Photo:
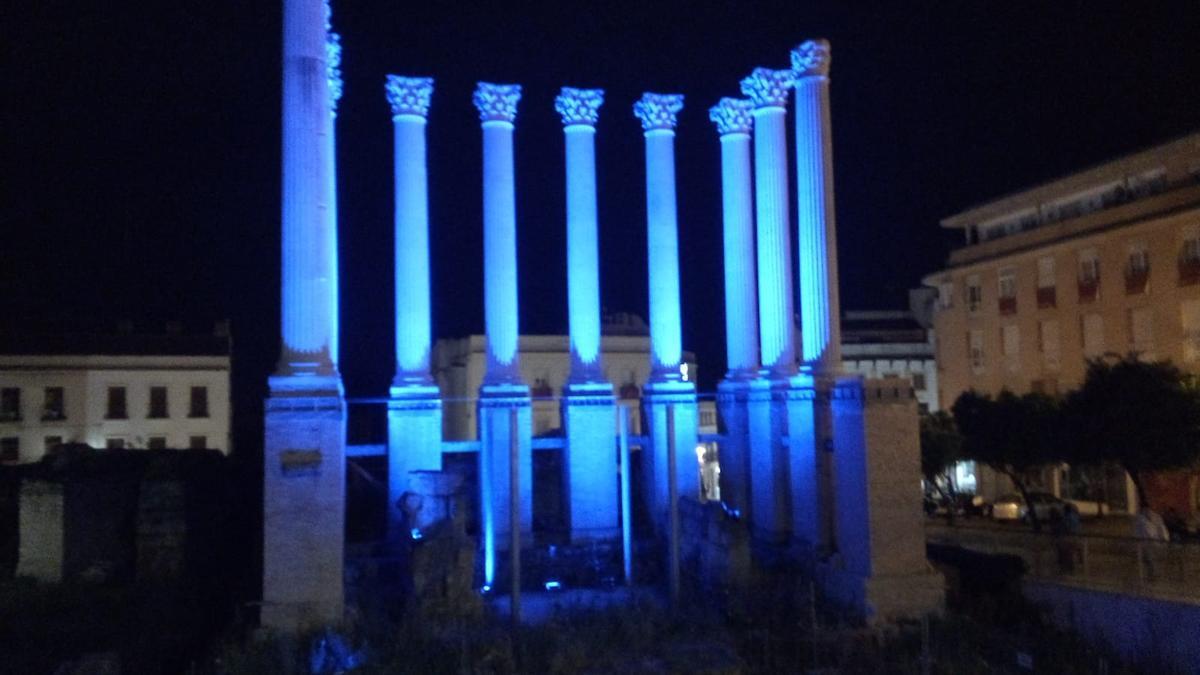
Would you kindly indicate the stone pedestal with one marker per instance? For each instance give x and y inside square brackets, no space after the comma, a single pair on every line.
[304,486]
[496,403]
[732,406]
[805,444]
[879,568]
[589,415]
[658,397]
[414,441]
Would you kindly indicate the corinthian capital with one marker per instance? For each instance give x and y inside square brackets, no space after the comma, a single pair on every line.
[768,88]
[496,102]
[579,106]
[811,58]
[657,111]
[409,95]
[732,116]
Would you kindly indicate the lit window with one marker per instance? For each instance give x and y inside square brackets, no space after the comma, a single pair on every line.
[1008,283]
[946,295]
[1089,267]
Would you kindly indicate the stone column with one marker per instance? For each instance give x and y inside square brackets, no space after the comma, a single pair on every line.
[819,311]
[771,421]
[502,387]
[415,406]
[734,121]
[588,406]
[304,422]
[666,386]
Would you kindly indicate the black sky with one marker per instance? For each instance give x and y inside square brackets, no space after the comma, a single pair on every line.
[141,145]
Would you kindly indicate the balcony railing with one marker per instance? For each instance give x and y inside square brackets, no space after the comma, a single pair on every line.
[1089,290]
[1008,305]
[1137,281]
[1046,297]
[1189,272]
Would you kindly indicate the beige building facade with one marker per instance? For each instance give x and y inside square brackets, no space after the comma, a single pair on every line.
[1104,261]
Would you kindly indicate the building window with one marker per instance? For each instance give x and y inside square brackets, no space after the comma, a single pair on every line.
[974,294]
[52,442]
[1189,259]
[52,404]
[198,442]
[158,403]
[1046,294]
[1137,271]
[1093,335]
[975,350]
[157,443]
[1008,291]
[10,449]
[1190,318]
[1141,330]
[10,404]
[116,404]
[946,295]
[1048,343]
[114,443]
[198,404]
[1010,346]
[918,380]
[1089,276]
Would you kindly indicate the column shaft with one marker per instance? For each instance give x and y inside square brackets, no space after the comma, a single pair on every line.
[819,310]
[583,255]
[663,247]
[776,302]
[741,305]
[411,252]
[500,253]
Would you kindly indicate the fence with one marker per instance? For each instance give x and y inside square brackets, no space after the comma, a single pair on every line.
[1164,569]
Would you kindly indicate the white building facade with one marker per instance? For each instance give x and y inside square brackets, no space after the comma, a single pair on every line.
[113,392]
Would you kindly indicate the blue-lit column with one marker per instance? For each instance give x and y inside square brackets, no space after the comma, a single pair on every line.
[588,405]
[817,226]
[502,388]
[304,421]
[414,405]
[666,387]
[769,470]
[734,121]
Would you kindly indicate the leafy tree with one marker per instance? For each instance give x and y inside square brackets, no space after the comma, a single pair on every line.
[1142,416]
[1011,434]
[941,446]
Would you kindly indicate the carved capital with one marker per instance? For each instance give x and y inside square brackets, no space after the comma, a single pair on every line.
[409,95]
[333,60]
[496,102]
[579,106]
[811,58]
[768,88]
[732,116]
[657,111]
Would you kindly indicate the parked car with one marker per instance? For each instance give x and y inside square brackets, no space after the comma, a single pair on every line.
[1012,507]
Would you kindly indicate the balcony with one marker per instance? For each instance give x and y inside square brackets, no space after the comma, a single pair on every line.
[1047,297]
[1189,271]
[1089,290]
[1008,305]
[1137,281]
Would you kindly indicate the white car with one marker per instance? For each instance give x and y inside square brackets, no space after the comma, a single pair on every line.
[1013,508]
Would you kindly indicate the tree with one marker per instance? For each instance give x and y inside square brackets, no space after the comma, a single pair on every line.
[1142,416]
[941,446]
[1011,434]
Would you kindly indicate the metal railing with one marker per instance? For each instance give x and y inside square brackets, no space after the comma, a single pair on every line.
[1169,570]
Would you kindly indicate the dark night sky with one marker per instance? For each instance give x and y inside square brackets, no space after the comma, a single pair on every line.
[141,145]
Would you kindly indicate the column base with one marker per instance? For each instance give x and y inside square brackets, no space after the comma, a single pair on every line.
[496,403]
[304,477]
[658,397]
[592,485]
[414,443]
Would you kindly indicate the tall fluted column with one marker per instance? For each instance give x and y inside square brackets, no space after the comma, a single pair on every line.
[304,422]
[497,105]
[735,392]
[768,91]
[503,389]
[819,311]
[311,82]
[588,412]
[734,122]
[414,406]
[771,421]
[580,109]
[666,389]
